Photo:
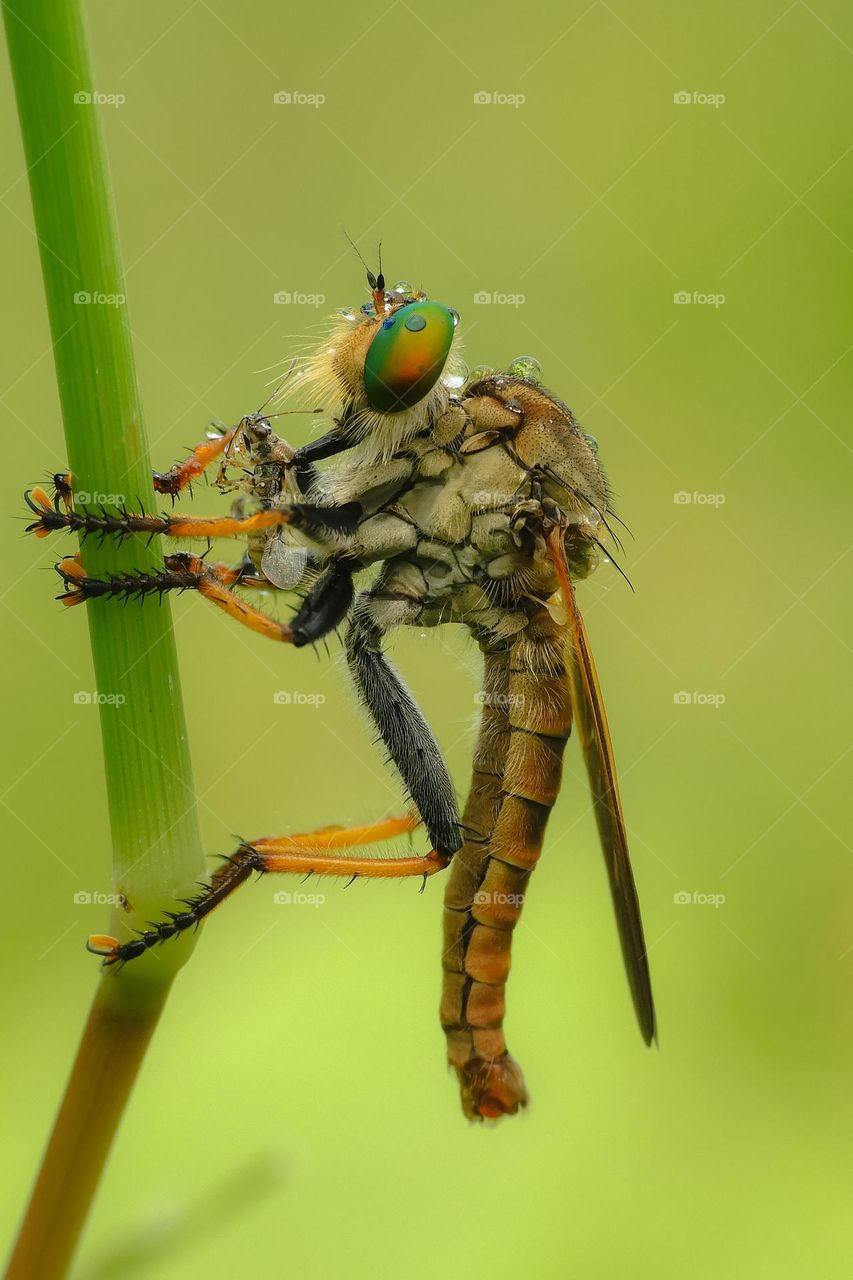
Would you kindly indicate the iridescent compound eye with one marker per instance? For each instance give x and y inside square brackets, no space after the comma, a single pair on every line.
[405,359]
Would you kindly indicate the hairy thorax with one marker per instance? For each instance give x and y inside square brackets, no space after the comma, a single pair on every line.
[453,513]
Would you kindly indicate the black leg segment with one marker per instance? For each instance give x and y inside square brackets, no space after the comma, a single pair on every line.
[406,734]
[326,604]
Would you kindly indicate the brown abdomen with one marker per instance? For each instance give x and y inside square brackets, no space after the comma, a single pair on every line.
[526,721]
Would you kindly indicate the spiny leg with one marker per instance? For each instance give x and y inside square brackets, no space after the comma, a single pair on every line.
[317,521]
[314,853]
[181,475]
[180,572]
[403,729]
[171,482]
[323,608]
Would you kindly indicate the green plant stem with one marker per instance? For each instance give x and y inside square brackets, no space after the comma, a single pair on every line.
[157,854]
[111,1050]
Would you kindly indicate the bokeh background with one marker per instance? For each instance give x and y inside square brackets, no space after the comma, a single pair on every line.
[294,1116]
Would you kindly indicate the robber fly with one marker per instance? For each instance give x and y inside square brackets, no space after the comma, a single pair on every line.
[482,502]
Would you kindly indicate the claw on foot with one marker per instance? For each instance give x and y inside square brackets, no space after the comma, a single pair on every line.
[71,572]
[102,944]
[39,502]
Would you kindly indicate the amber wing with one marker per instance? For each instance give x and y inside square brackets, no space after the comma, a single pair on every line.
[591,722]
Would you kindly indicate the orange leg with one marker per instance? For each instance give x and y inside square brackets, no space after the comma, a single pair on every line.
[311,854]
[181,572]
[333,523]
[171,482]
[182,474]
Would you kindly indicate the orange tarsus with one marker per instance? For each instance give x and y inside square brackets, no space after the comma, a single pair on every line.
[102,944]
[214,589]
[279,855]
[225,526]
[71,567]
[337,837]
[40,497]
[183,473]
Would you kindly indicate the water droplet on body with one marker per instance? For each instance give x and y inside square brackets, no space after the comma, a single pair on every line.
[526,367]
[457,377]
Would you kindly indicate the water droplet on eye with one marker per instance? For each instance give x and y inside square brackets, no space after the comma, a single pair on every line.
[349,313]
[457,377]
[481,371]
[454,316]
[415,323]
[526,367]
[403,286]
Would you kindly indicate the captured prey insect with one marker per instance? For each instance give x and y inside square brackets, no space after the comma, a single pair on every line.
[479,500]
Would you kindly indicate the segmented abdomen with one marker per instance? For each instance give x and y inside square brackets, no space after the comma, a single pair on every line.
[526,721]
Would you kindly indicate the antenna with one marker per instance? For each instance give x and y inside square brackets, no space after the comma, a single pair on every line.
[377,283]
[371,278]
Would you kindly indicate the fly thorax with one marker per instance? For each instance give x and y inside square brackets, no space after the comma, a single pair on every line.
[268,481]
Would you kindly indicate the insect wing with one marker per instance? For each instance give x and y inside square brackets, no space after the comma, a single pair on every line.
[283,563]
[594,734]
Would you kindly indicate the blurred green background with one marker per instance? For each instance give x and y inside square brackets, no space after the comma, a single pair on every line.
[300,1053]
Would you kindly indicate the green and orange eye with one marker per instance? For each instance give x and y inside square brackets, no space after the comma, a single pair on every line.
[405,359]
